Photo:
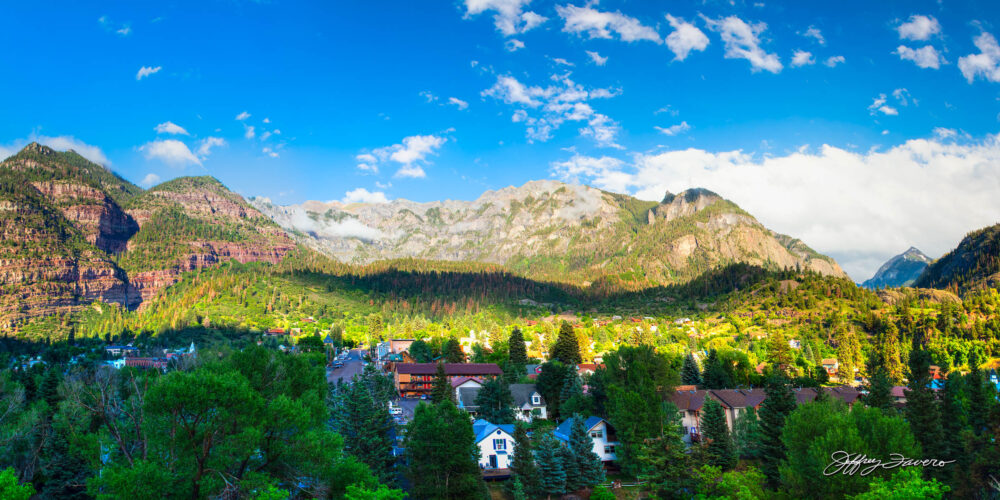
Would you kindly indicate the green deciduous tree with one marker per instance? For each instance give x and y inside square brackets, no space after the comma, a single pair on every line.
[903,485]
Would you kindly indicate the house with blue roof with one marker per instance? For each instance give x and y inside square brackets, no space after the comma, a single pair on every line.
[495,442]
[601,433]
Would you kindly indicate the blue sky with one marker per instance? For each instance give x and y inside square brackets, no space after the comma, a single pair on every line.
[853,126]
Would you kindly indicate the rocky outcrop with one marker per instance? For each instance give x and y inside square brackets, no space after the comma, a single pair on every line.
[102,222]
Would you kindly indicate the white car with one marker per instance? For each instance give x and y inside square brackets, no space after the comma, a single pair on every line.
[395,410]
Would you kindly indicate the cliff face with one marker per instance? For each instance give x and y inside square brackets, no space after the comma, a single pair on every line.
[74,233]
[555,231]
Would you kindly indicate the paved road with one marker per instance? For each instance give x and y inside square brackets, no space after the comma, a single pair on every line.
[352,365]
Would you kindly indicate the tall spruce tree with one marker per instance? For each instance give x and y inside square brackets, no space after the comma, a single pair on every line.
[522,463]
[747,435]
[689,371]
[588,470]
[572,399]
[365,424]
[921,405]
[715,375]
[718,443]
[442,454]
[665,465]
[567,347]
[495,402]
[453,351]
[774,410]
[517,352]
[879,392]
[441,389]
[551,471]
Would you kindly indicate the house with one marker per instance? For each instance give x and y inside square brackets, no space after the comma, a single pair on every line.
[121,350]
[466,390]
[117,364]
[137,362]
[528,402]
[601,433]
[795,344]
[416,379]
[496,444]
[831,365]
[275,332]
[586,369]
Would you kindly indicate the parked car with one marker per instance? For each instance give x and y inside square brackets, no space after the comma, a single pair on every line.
[395,410]
[338,364]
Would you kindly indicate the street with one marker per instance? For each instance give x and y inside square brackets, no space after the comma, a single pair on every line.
[352,365]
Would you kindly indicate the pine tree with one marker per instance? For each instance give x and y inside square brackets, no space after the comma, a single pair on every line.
[517,352]
[779,354]
[879,392]
[441,453]
[551,473]
[572,399]
[689,372]
[522,464]
[979,397]
[441,388]
[922,406]
[567,347]
[588,470]
[453,351]
[719,444]
[495,402]
[747,435]
[952,415]
[715,375]
[665,465]
[570,468]
[779,404]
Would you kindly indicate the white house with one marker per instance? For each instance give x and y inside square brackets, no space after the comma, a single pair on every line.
[466,390]
[528,402]
[601,433]
[495,442]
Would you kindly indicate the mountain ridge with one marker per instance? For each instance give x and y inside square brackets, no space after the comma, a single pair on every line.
[901,270]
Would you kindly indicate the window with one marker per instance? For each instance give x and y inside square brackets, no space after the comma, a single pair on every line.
[499,444]
[598,434]
[609,449]
[536,399]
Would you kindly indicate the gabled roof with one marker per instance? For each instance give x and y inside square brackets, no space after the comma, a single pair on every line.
[563,430]
[467,397]
[461,380]
[484,429]
[522,395]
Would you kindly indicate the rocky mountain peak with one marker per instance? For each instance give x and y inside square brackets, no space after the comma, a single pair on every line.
[901,270]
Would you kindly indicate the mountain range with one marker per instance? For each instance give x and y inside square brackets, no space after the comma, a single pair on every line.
[901,270]
[555,231]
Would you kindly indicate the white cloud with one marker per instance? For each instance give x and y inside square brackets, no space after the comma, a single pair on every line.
[597,24]
[596,58]
[146,71]
[242,116]
[986,63]
[860,208]
[170,151]
[205,145]
[562,62]
[556,104]
[362,195]
[349,227]
[802,58]
[903,96]
[672,130]
[685,38]
[124,30]
[834,60]
[266,120]
[879,105]
[460,104]
[945,133]
[513,45]
[269,152]
[170,128]
[109,26]
[743,42]
[249,131]
[265,135]
[428,95]
[814,33]
[149,180]
[919,28]
[68,142]
[925,57]
[510,18]
[411,154]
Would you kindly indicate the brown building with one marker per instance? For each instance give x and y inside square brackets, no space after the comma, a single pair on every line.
[416,379]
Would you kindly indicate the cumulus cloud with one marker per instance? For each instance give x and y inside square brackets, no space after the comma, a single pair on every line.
[673,130]
[510,18]
[860,208]
[242,116]
[945,133]
[814,33]
[802,58]
[596,58]
[513,45]
[834,60]
[743,42]
[67,143]
[146,71]
[458,103]
[919,28]
[924,57]
[562,62]
[149,180]
[170,128]
[362,195]
[879,105]
[685,38]
[598,24]
[170,151]
[249,131]
[410,155]
[555,104]
[205,145]
[986,63]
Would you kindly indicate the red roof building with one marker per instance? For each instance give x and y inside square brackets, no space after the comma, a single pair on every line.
[415,379]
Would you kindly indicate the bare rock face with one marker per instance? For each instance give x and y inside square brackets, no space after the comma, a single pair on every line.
[553,230]
[103,223]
